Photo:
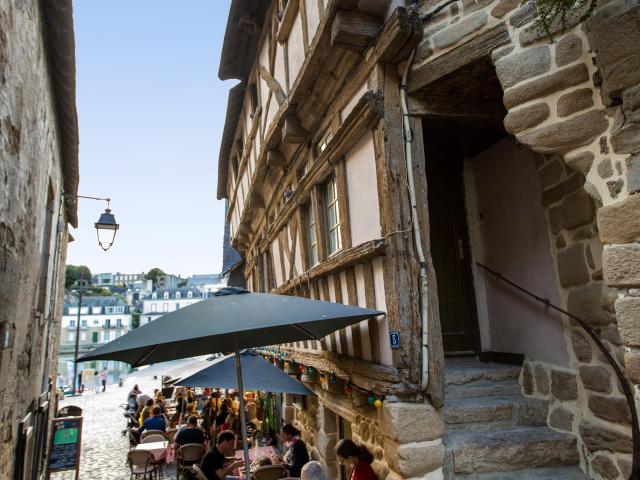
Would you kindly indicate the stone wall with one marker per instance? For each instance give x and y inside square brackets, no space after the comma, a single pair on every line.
[403,437]
[32,182]
[576,100]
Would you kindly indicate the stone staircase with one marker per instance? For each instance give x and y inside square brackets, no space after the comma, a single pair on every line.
[493,432]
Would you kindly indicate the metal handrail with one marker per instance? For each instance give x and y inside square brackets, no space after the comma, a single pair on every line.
[635,427]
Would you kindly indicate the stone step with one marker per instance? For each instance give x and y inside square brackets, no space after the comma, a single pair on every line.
[508,449]
[461,373]
[482,389]
[553,473]
[515,410]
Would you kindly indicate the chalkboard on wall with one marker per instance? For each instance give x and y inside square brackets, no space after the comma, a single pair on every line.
[66,439]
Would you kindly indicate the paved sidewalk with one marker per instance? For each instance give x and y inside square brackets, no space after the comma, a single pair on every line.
[104,448]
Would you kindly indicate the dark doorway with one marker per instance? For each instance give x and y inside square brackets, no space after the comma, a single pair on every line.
[462,116]
[450,246]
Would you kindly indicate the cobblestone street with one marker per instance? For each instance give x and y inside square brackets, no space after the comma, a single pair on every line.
[104,448]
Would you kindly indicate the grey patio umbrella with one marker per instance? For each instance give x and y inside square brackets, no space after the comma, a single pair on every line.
[257,374]
[231,320]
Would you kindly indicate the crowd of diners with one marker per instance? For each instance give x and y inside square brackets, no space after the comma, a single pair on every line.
[211,418]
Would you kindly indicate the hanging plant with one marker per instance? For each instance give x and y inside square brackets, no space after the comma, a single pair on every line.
[551,14]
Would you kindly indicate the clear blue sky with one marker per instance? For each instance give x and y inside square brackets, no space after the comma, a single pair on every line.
[151,110]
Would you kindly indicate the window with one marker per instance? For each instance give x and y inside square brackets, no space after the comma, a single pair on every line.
[118,322]
[165,307]
[154,307]
[154,295]
[166,295]
[325,141]
[71,337]
[118,333]
[177,306]
[178,294]
[312,240]
[72,323]
[83,323]
[105,336]
[334,240]
[107,323]
[189,294]
[83,336]
[96,322]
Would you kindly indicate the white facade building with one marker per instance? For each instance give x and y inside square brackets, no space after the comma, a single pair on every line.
[165,301]
[102,319]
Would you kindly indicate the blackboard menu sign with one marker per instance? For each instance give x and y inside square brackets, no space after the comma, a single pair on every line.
[66,438]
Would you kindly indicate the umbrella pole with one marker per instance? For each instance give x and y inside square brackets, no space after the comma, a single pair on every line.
[243,420]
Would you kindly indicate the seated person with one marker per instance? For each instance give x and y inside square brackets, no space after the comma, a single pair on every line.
[313,471]
[189,434]
[297,454]
[215,464]
[155,422]
[146,411]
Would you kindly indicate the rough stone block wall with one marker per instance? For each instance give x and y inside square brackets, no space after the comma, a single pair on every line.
[576,100]
[404,438]
[29,170]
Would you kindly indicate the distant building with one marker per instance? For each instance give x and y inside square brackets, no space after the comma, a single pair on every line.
[164,301]
[106,280]
[207,283]
[169,281]
[102,319]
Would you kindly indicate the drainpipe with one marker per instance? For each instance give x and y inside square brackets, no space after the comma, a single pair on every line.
[423,283]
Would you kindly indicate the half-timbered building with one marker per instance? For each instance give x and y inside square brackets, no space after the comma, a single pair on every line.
[441,161]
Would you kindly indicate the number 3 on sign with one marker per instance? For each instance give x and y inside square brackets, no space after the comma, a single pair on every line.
[394,339]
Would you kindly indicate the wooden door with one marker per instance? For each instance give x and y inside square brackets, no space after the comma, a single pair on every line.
[450,246]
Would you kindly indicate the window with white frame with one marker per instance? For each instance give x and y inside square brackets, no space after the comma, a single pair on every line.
[189,294]
[105,336]
[177,306]
[118,322]
[334,239]
[312,240]
[83,336]
[96,322]
[165,307]
[72,323]
[83,323]
[166,295]
[154,307]
[178,295]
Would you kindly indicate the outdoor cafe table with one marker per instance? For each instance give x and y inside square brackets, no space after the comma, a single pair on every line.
[268,452]
[157,449]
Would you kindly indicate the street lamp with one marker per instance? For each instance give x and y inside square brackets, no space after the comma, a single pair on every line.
[106,226]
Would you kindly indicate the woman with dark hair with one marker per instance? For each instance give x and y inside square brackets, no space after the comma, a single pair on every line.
[222,415]
[358,458]
[297,454]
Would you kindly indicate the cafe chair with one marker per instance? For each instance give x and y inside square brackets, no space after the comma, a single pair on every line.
[269,472]
[70,411]
[133,440]
[188,454]
[198,471]
[171,433]
[142,464]
[153,438]
[146,433]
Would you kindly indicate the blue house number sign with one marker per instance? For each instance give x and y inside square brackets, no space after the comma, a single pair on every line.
[394,339]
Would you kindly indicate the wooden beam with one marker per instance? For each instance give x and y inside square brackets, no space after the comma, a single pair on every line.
[470,51]
[273,84]
[370,300]
[305,24]
[292,131]
[402,32]
[466,110]
[354,30]
[381,379]
[339,261]
[435,385]
[343,203]
[288,18]
[276,159]
[352,299]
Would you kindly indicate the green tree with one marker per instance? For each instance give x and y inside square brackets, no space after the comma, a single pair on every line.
[74,272]
[135,319]
[153,275]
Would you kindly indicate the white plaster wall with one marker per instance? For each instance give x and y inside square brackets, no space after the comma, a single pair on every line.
[345,300]
[364,213]
[383,326]
[313,18]
[296,49]
[275,254]
[279,71]
[344,113]
[509,234]
[362,302]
